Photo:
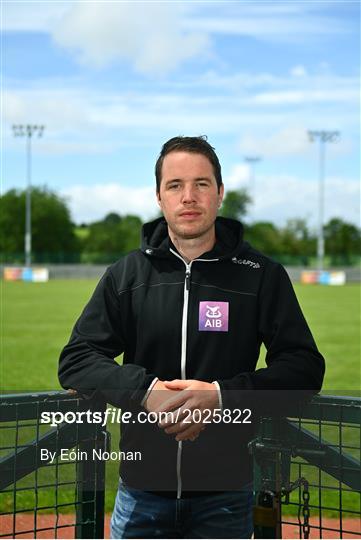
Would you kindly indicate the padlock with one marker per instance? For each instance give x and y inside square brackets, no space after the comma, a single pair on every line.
[264,516]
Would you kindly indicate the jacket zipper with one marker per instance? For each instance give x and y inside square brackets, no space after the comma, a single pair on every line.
[187,286]
[187,282]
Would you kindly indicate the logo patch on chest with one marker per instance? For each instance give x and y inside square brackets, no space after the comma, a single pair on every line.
[213,316]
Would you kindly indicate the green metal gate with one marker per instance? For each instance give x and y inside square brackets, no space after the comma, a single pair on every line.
[307,467]
[56,493]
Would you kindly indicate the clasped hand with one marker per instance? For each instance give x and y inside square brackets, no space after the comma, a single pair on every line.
[181,398]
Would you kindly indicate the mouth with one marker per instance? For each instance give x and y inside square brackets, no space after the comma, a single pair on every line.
[191,214]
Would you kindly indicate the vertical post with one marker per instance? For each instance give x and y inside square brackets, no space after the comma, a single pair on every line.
[28,200]
[267,516]
[27,131]
[324,137]
[252,182]
[320,236]
[91,487]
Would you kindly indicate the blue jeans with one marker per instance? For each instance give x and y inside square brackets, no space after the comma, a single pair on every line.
[140,514]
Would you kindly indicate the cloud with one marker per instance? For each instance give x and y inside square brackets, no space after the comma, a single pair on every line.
[298,71]
[277,198]
[91,203]
[308,95]
[288,141]
[238,177]
[75,148]
[282,197]
[91,115]
[62,109]
[157,37]
[265,22]
[208,103]
[148,35]
[320,78]
[20,16]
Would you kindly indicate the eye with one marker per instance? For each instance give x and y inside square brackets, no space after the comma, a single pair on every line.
[202,184]
[173,186]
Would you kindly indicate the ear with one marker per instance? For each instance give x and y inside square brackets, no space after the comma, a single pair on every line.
[220,195]
[157,194]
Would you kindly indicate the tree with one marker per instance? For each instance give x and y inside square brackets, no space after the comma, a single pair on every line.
[265,237]
[53,237]
[342,241]
[235,204]
[130,230]
[112,219]
[111,238]
[297,240]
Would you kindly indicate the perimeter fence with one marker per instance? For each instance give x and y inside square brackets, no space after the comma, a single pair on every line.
[34,480]
[306,468]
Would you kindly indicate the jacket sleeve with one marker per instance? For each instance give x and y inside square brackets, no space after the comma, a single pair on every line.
[293,360]
[87,362]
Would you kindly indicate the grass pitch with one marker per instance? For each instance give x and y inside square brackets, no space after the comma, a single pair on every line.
[37,319]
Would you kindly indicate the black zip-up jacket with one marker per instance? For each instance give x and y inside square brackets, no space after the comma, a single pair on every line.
[163,315]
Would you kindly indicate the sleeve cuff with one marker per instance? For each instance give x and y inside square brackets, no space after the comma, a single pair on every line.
[150,388]
[219,394]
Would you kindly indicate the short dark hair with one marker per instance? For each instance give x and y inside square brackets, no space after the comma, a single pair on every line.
[193,145]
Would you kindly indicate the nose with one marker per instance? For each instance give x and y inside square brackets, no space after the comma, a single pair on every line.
[188,194]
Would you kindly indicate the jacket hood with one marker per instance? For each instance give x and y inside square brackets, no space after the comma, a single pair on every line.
[229,238]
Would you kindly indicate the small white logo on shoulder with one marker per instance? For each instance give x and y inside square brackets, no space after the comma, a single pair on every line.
[246,262]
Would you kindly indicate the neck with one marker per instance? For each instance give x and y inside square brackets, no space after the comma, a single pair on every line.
[192,248]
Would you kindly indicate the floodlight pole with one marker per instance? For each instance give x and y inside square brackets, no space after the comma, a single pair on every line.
[28,131]
[323,137]
[251,160]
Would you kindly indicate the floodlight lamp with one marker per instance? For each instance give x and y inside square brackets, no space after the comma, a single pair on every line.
[313,134]
[18,130]
[333,136]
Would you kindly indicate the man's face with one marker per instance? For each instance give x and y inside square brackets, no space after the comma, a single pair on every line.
[188,194]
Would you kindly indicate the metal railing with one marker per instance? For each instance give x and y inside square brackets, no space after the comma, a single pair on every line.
[307,470]
[40,492]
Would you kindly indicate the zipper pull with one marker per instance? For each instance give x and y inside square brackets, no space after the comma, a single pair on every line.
[188,280]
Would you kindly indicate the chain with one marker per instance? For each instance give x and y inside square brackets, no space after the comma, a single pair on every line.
[305,509]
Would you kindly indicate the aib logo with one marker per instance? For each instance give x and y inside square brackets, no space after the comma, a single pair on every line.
[213,316]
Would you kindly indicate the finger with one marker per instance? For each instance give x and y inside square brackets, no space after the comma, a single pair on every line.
[185,431]
[176,421]
[173,429]
[176,384]
[189,433]
[174,402]
[172,417]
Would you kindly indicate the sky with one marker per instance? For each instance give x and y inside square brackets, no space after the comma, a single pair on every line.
[112,81]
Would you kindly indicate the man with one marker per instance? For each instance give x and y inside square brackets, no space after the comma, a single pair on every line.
[190,310]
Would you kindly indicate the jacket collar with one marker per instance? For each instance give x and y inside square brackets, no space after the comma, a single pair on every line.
[229,239]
